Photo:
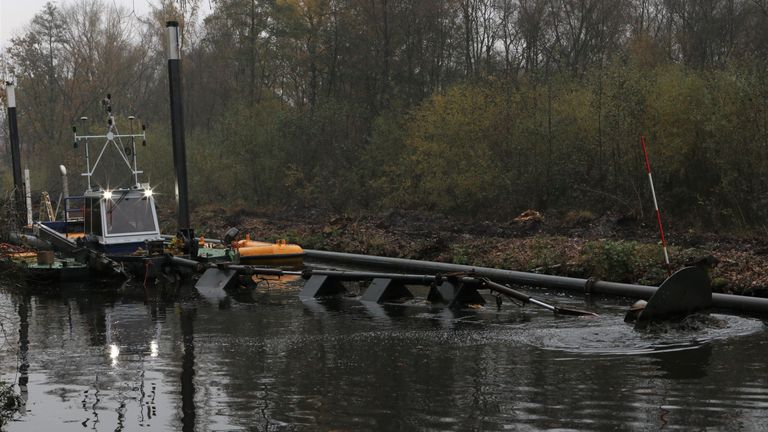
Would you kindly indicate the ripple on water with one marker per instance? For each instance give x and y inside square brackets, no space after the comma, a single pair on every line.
[612,336]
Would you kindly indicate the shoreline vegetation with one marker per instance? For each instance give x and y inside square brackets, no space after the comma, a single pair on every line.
[577,244]
[479,109]
[474,108]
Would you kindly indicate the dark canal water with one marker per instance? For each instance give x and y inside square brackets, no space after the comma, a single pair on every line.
[272,362]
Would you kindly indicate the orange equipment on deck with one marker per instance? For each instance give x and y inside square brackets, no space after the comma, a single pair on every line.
[251,250]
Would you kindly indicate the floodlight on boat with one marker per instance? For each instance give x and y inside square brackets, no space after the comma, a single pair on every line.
[148,193]
[107,194]
[114,352]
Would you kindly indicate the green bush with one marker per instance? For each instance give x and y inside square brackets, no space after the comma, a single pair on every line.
[621,261]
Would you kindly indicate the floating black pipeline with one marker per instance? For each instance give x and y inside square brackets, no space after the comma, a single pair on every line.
[736,303]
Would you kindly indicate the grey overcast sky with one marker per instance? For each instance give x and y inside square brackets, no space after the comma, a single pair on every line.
[16,14]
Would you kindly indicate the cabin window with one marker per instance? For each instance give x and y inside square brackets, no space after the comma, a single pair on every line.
[92,216]
[129,215]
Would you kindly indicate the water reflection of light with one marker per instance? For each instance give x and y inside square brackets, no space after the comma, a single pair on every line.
[153,348]
[114,351]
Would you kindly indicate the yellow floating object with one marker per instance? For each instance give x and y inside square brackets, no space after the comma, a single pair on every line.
[251,250]
[23,255]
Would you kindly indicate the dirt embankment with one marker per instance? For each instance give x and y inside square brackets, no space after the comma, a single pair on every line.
[579,244]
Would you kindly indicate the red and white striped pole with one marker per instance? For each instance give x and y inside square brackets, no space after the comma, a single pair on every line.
[656,205]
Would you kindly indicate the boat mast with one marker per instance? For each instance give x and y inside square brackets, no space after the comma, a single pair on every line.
[112,137]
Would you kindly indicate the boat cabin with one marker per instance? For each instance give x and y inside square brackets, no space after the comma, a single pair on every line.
[118,221]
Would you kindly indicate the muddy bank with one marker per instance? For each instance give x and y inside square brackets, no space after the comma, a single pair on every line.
[579,244]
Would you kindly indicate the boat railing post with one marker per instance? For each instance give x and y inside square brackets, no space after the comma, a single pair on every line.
[28,196]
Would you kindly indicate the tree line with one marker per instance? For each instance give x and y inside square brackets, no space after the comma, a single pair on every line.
[479,108]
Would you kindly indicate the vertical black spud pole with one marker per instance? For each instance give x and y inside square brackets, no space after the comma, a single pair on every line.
[13,129]
[177,132]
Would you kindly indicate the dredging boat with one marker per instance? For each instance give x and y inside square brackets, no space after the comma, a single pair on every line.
[120,225]
[109,223]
